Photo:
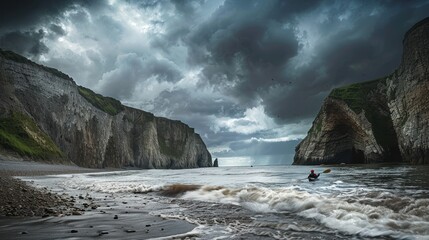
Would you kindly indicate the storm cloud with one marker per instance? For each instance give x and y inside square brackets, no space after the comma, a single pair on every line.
[249,76]
[291,54]
[28,43]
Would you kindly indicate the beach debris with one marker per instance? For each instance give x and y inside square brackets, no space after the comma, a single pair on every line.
[73,231]
[115,217]
[130,231]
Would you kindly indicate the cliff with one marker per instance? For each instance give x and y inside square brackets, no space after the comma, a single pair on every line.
[384,120]
[45,116]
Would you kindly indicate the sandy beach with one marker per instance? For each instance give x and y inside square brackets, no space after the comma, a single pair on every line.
[27,212]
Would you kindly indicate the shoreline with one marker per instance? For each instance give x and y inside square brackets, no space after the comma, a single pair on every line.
[12,166]
[30,212]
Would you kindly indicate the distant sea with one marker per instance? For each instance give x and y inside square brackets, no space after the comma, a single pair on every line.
[272,202]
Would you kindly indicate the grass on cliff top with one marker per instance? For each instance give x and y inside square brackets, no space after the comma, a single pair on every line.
[356,95]
[20,59]
[105,104]
[20,134]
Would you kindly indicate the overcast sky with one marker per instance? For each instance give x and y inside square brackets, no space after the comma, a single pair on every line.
[249,76]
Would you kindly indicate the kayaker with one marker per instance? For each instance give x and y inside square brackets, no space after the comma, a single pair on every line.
[313,175]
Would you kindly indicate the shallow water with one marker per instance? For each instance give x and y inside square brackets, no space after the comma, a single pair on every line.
[350,202]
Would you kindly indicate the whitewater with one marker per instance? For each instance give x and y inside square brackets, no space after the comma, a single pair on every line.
[270,202]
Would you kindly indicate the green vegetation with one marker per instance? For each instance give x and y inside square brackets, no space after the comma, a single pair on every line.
[106,104]
[356,95]
[20,59]
[360,96]
[20,133]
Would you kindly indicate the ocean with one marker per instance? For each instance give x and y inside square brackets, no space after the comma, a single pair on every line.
[270,202]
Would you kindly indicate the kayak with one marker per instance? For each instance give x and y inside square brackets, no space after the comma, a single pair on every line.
[312,179]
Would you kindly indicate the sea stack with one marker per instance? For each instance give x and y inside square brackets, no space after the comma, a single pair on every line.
[384,120]
[215,163]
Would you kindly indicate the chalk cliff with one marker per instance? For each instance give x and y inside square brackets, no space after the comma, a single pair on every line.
[45,115]
[385,120]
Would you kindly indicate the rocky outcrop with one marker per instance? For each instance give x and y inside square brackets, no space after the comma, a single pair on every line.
[385,120]
[215,163]
[88,129]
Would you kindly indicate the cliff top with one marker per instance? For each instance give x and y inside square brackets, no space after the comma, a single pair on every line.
[415,26]
[355,95]
[20,59]
[105,104]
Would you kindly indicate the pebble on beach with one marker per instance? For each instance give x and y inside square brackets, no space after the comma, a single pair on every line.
[19,199]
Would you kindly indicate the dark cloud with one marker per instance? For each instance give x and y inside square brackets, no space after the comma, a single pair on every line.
[245,44]
[21,14]
[366,46]
[19,19]
[251,50]
[131,70]
[25,43]
[178,102]
[17,14]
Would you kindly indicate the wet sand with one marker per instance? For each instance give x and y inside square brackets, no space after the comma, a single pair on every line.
[27,212]
[135,225]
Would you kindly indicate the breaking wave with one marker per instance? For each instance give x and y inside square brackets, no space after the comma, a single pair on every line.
[371,215]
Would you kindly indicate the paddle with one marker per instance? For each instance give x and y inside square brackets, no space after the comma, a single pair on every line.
[328,170]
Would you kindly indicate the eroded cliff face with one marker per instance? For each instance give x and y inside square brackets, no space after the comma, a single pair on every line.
[87,135]
[385,120]
[408,91]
